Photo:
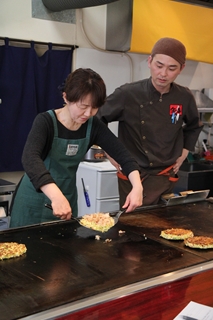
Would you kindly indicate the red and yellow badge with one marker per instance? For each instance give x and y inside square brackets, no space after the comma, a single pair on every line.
[175,111]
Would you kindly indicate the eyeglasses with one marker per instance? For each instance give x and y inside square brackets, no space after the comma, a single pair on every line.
[85,106]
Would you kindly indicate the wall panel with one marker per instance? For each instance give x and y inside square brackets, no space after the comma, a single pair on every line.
[190,24]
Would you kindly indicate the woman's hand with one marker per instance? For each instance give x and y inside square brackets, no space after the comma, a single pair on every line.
[60,204]
[61,209]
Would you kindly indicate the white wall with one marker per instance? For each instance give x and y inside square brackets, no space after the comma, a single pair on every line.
[16,22]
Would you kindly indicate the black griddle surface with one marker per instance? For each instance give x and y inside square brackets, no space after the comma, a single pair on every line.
[197,217]
[64,262]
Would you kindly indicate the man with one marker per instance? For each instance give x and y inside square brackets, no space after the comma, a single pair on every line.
[158,121]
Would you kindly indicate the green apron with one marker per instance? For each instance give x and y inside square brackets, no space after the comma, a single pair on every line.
[62,162]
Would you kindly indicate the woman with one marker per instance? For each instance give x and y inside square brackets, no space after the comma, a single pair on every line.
[57,143]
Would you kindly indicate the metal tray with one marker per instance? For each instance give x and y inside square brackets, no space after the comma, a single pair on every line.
[195,196]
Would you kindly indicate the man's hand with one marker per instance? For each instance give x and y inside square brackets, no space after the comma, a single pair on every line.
[180,160]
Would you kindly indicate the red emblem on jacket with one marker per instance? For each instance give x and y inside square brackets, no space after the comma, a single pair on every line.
[175,108]
[175,111]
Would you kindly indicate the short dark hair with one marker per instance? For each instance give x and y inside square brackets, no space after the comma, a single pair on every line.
[82,82]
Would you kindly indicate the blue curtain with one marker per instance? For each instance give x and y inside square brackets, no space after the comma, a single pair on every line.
[28,86]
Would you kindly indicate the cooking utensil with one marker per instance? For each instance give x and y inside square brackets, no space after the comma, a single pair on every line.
[95,154]
[86,195]
[194,196]
[48,206]
[206,151]
[114,215]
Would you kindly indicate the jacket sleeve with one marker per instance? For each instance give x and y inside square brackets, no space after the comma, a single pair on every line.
[36,148]
[103,137]
[192,125]
[113,108]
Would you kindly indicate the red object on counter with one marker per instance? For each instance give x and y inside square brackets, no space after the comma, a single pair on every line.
[209,157]
[208,154]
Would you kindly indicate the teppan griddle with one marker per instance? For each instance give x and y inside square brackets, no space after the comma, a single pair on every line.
[65,264]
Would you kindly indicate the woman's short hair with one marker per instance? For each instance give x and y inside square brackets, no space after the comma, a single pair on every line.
[82,82]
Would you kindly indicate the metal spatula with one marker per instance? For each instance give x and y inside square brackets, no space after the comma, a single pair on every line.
[48,206]
[114,215]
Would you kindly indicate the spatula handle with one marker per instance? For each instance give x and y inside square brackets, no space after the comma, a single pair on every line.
[48,205]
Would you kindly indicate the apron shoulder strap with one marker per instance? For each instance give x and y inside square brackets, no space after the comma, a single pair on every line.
[52,114]
[89,127]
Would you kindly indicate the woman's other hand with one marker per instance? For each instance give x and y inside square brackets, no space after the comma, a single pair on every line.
[135,198]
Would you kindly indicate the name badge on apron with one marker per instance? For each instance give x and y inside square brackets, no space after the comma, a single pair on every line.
[72,149]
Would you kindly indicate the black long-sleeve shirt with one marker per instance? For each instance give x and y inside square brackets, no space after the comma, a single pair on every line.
[40,139]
